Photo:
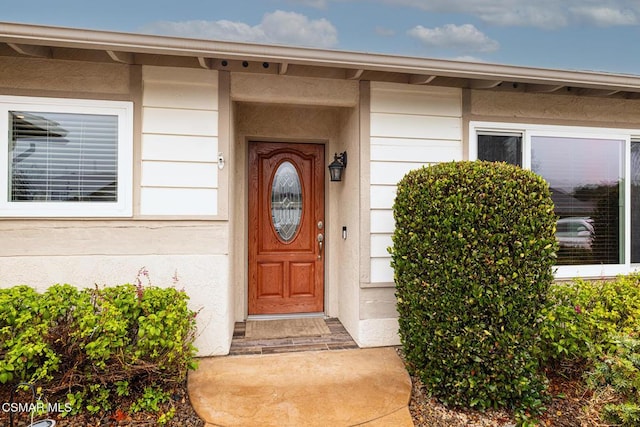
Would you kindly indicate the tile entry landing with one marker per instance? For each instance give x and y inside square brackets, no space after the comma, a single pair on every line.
[337,339]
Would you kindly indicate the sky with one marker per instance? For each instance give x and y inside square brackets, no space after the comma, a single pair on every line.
[593,35]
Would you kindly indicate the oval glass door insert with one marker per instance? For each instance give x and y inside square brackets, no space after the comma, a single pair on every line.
[286,201]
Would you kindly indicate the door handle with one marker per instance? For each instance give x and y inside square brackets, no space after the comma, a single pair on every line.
[320,244]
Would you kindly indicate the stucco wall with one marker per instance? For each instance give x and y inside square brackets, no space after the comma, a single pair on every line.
[557,109]
[85,252]
[283,123]
[47,77]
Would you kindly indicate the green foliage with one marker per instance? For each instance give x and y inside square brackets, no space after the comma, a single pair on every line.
[473,251]
[584,319]
[151,397]
[597,324]
[96,343]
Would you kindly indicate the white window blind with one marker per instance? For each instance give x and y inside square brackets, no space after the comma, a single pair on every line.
[63,157]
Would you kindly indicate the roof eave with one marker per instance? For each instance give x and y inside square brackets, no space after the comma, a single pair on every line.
[162,45]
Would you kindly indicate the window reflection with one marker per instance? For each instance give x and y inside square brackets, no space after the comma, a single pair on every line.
[585,176]
[500,148]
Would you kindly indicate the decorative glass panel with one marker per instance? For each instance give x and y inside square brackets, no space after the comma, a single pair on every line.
[286,201]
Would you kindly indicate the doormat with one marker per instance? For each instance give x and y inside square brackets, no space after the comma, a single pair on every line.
[285,328]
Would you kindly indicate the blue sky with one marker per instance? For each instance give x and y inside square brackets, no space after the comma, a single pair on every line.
[600,35]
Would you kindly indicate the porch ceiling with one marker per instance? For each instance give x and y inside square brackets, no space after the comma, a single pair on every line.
[44,42]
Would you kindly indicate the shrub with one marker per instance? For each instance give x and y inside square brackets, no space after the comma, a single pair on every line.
[595,325]
[583,319]
[93,344]
[472,252]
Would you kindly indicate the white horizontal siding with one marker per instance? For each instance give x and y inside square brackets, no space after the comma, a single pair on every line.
[428,150]
[411,127]
[382,221]
[179,175]
[183,148]
[379,245]
[179,201]
[175,121]
[381,271]
[415,126]
[425,101]
[382,196]
[176,174]
[389,173]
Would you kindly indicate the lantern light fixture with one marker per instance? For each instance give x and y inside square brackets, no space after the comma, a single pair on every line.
[338,165]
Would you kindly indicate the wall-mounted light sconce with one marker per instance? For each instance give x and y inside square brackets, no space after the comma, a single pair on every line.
[338,165]
[220,161]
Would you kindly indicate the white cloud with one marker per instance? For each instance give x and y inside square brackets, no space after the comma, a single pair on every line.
[467,58]
[466,38]
[318,4]
[278,27]
[548,14]
[605,16]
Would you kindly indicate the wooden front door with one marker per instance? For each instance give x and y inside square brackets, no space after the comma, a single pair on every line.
[286,228]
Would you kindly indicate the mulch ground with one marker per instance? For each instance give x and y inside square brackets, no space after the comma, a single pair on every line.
[571,405]
[185,416]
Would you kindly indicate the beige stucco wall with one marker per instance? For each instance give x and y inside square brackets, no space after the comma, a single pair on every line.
[281,123]
[553,109]
[47,77]
[85,252]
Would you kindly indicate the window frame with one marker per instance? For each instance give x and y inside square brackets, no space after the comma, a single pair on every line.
[123,207]
[529,131]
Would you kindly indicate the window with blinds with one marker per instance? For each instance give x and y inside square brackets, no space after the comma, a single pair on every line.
[63,157]
[587,178]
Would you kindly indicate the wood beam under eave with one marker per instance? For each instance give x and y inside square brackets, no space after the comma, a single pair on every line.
[484,84]
[206,63]
[121,57]
[283,68]
[29,50]
[353,74]
[536,88]
[416,79]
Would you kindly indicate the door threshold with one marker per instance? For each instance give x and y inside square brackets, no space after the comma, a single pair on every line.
[285,316]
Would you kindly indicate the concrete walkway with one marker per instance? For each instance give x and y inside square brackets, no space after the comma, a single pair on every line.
[368,387]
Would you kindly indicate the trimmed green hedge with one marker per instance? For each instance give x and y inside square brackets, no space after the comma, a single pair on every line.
[473,251]
[92,344]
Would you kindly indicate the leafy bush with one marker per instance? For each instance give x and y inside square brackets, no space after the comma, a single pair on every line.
[473,251]
[596,325]
[583,319]
[93,344]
